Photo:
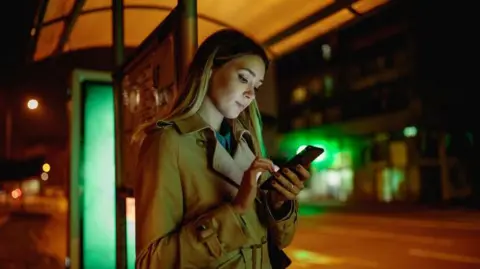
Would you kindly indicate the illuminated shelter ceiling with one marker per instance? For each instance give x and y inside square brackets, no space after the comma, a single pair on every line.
[69,25]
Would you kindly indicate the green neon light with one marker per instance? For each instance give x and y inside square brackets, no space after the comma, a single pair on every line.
[340,150]
[410,131]
[99,244]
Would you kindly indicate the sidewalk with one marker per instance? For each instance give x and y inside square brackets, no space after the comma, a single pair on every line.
[392,210]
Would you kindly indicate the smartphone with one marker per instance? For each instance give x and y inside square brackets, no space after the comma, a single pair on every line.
[304,158]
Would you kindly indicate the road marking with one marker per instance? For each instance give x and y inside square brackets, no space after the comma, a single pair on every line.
[443,256]
[384,235]
[308,259]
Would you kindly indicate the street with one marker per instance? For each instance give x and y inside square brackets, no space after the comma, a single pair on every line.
[32,240]
[437,240]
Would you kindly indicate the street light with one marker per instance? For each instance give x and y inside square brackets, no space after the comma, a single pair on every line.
[32,104]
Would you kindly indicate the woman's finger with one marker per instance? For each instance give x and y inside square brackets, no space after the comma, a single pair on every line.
[283,191]
[287,184]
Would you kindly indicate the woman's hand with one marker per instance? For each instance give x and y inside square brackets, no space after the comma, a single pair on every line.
[248,188]
[287,185]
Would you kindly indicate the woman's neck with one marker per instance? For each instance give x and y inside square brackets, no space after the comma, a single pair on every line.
[210,114]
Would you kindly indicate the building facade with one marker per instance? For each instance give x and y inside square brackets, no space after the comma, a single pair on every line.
[372,95]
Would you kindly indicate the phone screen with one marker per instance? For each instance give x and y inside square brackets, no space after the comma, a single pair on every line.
[304,158]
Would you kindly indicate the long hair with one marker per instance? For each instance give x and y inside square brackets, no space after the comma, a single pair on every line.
[218,49]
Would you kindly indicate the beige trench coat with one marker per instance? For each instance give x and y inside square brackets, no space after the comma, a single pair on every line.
[184,219]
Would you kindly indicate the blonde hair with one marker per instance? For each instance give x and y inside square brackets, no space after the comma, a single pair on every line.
[191,98]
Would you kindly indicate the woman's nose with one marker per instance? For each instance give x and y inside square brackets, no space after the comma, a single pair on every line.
[250,93]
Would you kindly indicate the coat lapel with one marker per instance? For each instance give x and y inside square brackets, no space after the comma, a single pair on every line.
[231,169]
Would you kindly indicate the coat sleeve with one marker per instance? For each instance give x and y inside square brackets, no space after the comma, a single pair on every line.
[282,226]
[164,239]
[282,223]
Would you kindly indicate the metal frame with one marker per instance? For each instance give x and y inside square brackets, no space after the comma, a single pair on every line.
[315,17]
[38,24]
[182,21]
[69,23]
[118,37]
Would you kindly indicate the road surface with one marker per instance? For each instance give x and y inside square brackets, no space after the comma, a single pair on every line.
[437,240]
[30,241]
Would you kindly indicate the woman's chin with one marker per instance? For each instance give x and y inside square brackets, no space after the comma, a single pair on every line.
[232,115]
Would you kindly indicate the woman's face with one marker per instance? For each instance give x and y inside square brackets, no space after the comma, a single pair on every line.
[234,84]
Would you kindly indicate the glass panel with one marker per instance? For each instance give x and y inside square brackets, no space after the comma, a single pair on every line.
[57,9]
[206,28]
[91,30]
[139,23]
[93,4]
[317,29]
[47,40]
[364,6]
[162,3]
[260,19]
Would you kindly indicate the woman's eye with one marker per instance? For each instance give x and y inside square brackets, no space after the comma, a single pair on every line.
[242,78]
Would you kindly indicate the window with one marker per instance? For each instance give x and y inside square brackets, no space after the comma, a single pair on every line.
[316,118]
[316,86]
[333,114]
[299,122]
[328,85]
[299,95]
[326,52]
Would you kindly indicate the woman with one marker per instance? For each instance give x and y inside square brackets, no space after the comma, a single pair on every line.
[197,201]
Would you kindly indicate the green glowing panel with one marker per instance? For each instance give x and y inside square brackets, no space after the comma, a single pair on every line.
[410,131]
[99,245]
[340,150]
[308,210]
[130,202]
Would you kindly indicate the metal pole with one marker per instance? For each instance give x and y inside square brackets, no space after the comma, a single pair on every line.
[444,172]
[118,32]
[119,52]
[8,133]
[187,35]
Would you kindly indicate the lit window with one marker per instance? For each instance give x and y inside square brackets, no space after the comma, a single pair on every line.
[299,95]
[326,52]
[316,118]
[316,86]
[299,122]
[410,131]
[328,84]
[333,114]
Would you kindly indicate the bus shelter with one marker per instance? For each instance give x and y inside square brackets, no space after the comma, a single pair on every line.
[107,107]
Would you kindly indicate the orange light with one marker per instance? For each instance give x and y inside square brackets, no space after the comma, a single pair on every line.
[364,6]
[16,193]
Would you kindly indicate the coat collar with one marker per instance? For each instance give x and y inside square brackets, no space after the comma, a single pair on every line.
[195,123]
